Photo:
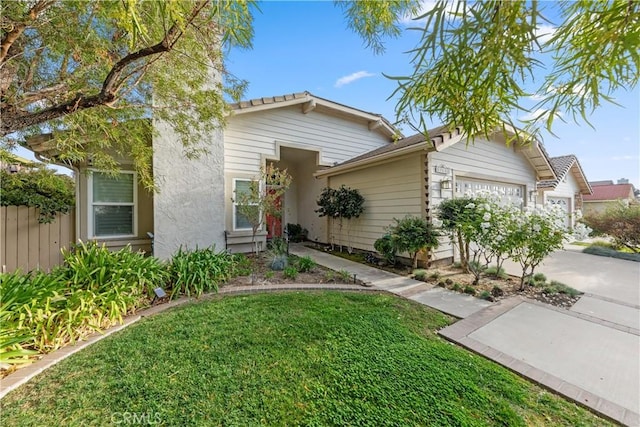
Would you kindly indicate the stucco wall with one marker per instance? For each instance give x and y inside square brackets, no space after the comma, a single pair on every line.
[189,207]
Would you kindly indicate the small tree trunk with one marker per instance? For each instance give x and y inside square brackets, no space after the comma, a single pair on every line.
[463,261]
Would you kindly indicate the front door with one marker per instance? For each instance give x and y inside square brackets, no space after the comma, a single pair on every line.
[274,222]
[565,204]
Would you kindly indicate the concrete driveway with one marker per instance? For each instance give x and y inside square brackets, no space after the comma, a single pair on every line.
[590,353]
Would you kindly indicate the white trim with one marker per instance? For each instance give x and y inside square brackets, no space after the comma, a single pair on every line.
[235,204]
[90,205]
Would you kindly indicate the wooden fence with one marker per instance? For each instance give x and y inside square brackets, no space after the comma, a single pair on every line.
[26,244]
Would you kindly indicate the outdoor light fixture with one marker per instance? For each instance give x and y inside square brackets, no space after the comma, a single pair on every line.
[445,184]
[532,195]
[159,293]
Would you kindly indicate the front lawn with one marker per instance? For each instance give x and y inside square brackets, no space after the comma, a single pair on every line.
[322,358]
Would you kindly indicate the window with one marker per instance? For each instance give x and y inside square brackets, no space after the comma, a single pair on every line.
[240,186]
[112,204]
[511,193]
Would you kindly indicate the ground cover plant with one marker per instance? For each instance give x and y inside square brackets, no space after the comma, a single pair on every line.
[322,358]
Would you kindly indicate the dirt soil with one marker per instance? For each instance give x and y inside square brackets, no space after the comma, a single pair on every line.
[264,275]
[449,276]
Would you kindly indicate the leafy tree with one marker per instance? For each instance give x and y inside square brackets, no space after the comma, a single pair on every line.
[455,215]
[621,222]
[342,203]
[92,71]
[413,235]
[386,247]
[262,198]
[41,188]
[474,61]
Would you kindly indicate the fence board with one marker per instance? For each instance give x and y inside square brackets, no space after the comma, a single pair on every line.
[27,245]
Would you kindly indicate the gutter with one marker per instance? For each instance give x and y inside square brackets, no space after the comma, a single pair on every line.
[336,170]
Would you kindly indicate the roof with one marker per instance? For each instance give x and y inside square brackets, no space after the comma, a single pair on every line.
[439,139]
[310,102]
[562,165]
[610,192]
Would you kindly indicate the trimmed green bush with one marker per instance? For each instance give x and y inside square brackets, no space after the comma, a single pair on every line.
[198,271]
[306,264]
[290,272]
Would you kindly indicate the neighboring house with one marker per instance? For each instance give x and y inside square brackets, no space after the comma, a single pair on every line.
[300,132]
[607,194]
[14,164]
[414,175]
[568,189]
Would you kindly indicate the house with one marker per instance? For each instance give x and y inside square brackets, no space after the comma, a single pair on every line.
[607,194]
[568,189]
[14,164]
[414,175]
[300,132]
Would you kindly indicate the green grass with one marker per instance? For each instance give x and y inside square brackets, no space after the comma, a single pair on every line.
[322,358]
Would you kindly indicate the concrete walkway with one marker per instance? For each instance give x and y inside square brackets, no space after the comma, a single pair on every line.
[448,302]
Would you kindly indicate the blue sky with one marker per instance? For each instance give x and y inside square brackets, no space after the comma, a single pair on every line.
[302,46]
[306,45]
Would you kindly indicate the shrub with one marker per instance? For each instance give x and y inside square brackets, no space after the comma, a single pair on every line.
[330,276]
[420,274]
[441,284]
[435,275]
[277,246]
[42,188]
[306,264]
[386,248]
[296,232]
[198,271]
[243,265]
[539,277]
[496,272]
[290,272]
[345,276]
[456,287]
[448,281]
[486,295]
[469,290]
[413,235]
[270,274]
[497,291]
[279,262]
[564,289]
[342,203]
[93,289]
[622,223]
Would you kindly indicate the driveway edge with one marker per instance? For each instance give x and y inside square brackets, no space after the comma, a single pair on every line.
[459,332]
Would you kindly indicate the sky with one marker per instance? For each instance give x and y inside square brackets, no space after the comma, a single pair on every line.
[306,46]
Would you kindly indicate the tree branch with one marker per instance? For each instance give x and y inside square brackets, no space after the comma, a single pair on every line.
[14,120]
[11,36]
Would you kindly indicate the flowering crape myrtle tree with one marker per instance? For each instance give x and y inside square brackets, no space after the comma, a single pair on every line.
[535,234]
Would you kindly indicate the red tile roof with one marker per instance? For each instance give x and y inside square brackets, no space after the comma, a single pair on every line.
[610,192]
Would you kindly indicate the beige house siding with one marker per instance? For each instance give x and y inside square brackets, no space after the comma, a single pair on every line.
[485,160]
[391,190]
[144,216]
[567,189]
[252,138]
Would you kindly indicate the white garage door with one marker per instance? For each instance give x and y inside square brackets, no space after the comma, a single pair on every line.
[512,193]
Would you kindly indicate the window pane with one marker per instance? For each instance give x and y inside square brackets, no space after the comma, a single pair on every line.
[112,220]
[243,187]
[112,189]
[241,220]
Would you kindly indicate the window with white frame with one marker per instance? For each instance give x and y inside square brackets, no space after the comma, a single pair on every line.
[240,186]
[112,202]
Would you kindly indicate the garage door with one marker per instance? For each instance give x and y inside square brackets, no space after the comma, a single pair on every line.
[511,193]
[565,204]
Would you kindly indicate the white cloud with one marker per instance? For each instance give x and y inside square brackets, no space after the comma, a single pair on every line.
[545,32]
[345,80]
[622,158]
[426,6]
[540,114]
